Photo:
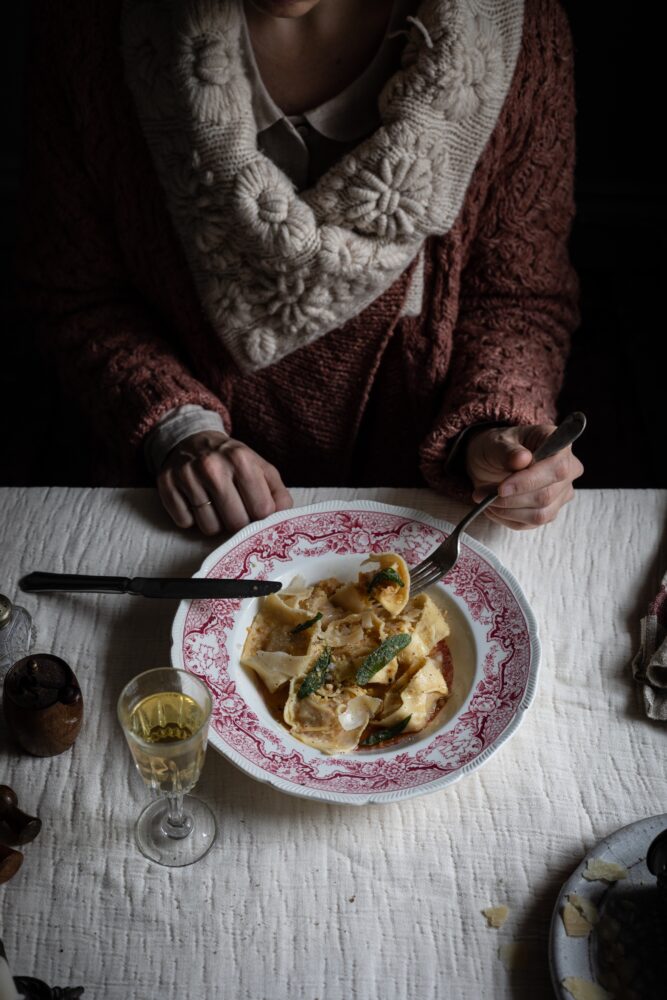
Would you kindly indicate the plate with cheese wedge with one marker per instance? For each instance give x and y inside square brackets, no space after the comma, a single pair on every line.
[342,686]
[606,940]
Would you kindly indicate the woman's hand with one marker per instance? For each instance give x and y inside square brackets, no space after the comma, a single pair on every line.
[219,484]
[530,495]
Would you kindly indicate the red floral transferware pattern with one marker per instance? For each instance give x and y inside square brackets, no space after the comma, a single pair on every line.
[488,598]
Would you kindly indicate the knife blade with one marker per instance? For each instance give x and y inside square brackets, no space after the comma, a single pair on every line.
[181,588]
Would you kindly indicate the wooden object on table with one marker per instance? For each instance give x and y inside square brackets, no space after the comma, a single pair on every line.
[10,862]
[16,827]
[43,705]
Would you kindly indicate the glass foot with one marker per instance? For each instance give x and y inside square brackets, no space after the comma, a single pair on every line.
[176,847]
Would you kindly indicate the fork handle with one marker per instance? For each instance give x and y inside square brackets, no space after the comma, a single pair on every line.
[566,432]
[472,514]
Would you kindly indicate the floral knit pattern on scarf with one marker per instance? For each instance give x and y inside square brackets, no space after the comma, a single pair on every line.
[276,270]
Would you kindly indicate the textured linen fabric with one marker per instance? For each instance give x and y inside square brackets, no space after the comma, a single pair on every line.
[106,280]
[298,899]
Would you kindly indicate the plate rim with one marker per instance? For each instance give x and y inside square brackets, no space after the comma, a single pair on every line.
[381,797]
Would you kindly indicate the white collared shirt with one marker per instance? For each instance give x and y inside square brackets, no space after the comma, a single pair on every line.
[305,146]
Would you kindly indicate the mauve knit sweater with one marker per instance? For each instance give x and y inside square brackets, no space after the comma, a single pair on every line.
[378,401]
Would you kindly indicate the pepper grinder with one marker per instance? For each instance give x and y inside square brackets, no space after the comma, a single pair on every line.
[43,704]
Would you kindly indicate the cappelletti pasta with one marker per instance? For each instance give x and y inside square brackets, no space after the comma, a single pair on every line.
[346,665]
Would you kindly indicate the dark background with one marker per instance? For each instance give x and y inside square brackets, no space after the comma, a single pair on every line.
[617,248]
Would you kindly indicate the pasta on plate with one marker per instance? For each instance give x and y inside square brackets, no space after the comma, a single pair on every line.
[348,665]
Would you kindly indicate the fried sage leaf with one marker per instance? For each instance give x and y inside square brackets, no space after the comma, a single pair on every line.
[385,576]
[381,656]
[316,676]
[302,626]
[385,734]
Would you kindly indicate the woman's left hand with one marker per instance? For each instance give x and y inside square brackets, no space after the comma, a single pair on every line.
[530,495]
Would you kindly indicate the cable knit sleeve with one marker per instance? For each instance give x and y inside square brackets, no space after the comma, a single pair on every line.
[108,347]
[519,292]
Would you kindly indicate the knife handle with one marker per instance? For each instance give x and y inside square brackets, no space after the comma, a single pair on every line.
[36,582]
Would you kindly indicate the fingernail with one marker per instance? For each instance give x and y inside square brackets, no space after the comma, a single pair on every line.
[505,490]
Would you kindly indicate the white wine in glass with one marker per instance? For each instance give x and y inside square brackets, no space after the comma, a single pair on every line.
[165,714]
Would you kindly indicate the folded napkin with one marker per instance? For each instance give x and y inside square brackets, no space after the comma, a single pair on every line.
[649,665]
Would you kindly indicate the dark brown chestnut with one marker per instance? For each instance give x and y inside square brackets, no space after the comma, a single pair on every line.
[16,827]
[10,862]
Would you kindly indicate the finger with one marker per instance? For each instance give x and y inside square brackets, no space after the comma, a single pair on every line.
[515,457]
[533,435]
[216,478]
[202,506]
[225,479]
[250,481]
[497,454]
[563,467]
[217,473]
[173,501]
[206,518]
[237,485]
[542,498]
[534,517]
[232,510]
[282,498]
[507,522]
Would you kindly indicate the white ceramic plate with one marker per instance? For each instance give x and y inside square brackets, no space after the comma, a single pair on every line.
[493,643]
[571,956]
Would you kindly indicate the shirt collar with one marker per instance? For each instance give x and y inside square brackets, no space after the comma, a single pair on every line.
[349,115]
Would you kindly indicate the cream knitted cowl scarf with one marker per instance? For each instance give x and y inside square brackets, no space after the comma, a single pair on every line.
[275,270]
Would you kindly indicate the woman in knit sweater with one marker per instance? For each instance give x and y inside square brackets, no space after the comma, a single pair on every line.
[339,237]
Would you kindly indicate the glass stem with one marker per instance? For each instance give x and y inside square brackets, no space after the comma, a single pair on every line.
[176,823]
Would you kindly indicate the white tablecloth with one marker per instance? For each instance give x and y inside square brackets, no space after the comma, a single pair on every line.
[304,900]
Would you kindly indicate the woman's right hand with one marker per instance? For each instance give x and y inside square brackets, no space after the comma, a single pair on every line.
[219,484]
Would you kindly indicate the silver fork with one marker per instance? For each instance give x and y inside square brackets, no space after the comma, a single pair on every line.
[443,559]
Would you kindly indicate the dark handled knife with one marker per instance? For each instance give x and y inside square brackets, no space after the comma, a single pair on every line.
[185,588]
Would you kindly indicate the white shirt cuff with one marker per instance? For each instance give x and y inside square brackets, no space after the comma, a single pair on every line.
[177,425]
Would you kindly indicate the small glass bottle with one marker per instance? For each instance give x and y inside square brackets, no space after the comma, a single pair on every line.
[17,634]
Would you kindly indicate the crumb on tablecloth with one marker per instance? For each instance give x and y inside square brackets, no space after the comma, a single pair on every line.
[514,955]
[496,915]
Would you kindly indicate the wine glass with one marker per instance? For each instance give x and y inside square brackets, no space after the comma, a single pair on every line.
[165,714]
